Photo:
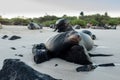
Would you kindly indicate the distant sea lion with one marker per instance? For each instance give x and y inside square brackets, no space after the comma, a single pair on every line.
[62,25]
[33,26]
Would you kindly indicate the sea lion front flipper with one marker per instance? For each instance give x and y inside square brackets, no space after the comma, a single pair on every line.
[86,68]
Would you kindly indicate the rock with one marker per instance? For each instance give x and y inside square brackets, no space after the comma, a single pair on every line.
[14,37]
[20,55]
[13,48]
[5,36]
[14,69]
[56,65]
[23,46]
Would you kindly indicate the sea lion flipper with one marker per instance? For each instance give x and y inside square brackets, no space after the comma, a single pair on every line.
[97,55]
[85,68]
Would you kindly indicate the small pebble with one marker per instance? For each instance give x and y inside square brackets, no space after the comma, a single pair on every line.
[13,48]
[56,65]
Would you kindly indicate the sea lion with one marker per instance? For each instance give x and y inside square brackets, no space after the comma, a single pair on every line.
[89,33]
[33,26]
[69,46]
[62,25]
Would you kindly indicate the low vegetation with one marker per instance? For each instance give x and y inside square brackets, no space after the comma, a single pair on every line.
[82,20]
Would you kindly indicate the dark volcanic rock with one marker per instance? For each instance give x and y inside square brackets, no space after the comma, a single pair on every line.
[4,37]
[13,48]
[14,69]
[20,55]
[14,37]
[56,65]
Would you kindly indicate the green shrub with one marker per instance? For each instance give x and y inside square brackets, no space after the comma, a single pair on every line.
[80,22]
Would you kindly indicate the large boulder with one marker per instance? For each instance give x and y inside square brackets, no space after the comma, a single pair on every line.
[14,69]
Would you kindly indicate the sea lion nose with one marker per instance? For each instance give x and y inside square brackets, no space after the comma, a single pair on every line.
[78,37]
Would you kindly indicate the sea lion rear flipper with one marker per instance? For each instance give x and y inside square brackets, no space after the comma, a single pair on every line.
[97,55]
[106,65]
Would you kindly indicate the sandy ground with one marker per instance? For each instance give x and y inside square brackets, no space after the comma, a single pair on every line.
[107,41]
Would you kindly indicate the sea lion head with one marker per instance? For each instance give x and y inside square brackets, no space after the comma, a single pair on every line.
[73,37]
[61,25]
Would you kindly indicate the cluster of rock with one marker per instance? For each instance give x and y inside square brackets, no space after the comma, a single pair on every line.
[14,37]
